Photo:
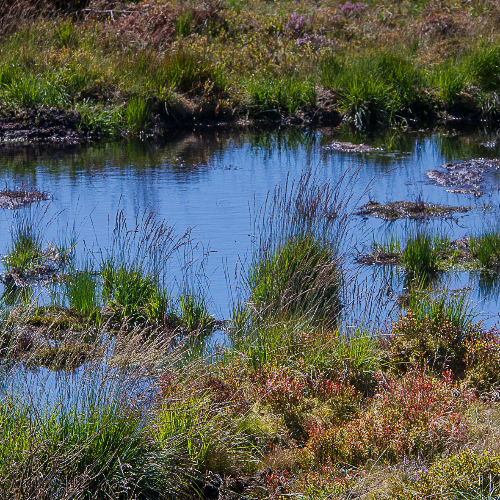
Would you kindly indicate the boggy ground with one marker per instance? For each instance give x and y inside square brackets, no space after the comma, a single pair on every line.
[299,400]
[70,70]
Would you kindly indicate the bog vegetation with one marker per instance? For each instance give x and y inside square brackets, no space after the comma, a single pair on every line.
[293,399]
[135,67]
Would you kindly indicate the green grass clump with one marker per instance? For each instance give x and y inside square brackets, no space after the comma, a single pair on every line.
[299,279]
[136,114]
[209,439]
[389,247]
[103,451]
[34,90]
[287,95]
[82,293]
[485,62]
[419,257]
[193,314]
[440,307]
[486,248]
[103,122]
[132,293]
[25,251]
[190,72]
[376,88]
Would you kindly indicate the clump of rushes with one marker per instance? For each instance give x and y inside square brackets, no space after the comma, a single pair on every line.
[389,249]
[131,293]
[103,451]
[419,257]
[194,315]
[299,279]
[26,249]
[486,248]
[296,272]
[206,433]
[82,293]
[269,94]
[136,114]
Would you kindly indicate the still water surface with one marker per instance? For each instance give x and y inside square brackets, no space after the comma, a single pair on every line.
[211,180]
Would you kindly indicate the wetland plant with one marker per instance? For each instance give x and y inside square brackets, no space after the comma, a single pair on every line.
[389,247]
[102,451]
[284,95]
[136,114]
[194,315]
[26,249]
[300,279]
[419,257]
[486,248]
[82,292]
[129,291]
[442,306]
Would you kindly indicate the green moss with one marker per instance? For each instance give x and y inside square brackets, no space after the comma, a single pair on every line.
[56,319]
[63,357]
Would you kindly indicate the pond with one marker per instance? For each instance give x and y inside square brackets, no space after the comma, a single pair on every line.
[213,180]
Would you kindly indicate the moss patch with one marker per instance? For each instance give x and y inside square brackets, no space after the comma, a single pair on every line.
[62,357]
[56,319]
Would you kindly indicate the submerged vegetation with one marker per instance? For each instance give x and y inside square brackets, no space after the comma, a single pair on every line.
[297,399]
[108,68]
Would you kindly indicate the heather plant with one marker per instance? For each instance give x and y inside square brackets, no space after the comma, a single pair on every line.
[435,343]
[416,415]
[350,9]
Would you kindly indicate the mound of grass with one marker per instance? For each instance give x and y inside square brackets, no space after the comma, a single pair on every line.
[106,451]
[82,293]
[300,279]
[131,293]
[26,250]
[486,248]
[419,257]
